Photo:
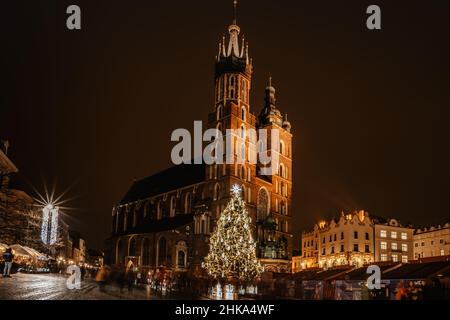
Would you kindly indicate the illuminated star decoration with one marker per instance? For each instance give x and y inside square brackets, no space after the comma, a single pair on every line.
[51,210]
[236,189]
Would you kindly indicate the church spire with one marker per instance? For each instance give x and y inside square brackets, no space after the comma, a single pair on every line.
[233,52]
[235,12]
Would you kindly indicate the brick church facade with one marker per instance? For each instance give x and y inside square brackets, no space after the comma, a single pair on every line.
[165,220]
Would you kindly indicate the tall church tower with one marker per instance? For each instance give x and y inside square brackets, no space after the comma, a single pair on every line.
[268,197]
[232,76]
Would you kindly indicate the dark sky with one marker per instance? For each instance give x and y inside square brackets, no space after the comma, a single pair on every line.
[93,109]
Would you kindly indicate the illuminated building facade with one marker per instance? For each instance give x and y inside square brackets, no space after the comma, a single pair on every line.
[432,242]
[356,239]
[166,219]
[393,242]
[20,220]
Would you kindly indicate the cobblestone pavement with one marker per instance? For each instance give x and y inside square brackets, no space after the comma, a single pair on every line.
[53,287]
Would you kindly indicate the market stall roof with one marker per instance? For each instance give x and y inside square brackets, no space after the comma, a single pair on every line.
[27,251]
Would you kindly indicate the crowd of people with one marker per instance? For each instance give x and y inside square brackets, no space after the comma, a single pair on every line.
[157,281]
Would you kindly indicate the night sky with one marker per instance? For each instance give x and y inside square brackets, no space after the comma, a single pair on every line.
[90,110]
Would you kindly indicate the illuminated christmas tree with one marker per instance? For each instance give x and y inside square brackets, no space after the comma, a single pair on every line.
[232,251]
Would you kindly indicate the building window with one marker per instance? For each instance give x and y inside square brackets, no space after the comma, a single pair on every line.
[281,170]
[243,114]
[394,234]
[331,238]
[404,259]
[383,257]
[441,241]
[181,259]
[355,234]
[394,246]
[404,247]
[172,206]
[367,236]
[323,251]
[162,251]
[323,240]
[243,173]
[262,204]
[366,248]
[242,132]
[423,244]
[332,250]
[342,248]
[404,236]
[159,210]
[355,247]
[442,252]
[383,233]
[342,235]
[334,237]
[395,258]
[217,192]
[416,244]
[146,252]
[383,245]
[187,203]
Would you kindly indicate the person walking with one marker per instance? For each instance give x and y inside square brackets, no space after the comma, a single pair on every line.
[8,257]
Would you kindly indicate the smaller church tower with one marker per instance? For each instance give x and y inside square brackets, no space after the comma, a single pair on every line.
[274,229]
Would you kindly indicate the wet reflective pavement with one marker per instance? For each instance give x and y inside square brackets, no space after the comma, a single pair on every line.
[53,287]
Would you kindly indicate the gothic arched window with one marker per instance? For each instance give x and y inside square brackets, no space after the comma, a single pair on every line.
[282,171]
[263,203]
[243,114]
[282,150]
[231,87]
[132,248]
[187,203]
[162,251]
[242,132]
[217,192]
[173,205]
[159,210]
[146,252]
[283,207]
[181,259]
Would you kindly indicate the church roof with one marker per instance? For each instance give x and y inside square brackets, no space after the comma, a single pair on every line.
[164,181]
[165,224]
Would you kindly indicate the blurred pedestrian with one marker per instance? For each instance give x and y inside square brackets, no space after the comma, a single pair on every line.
[101,278]
[401,293]
[130,279]
[8,257]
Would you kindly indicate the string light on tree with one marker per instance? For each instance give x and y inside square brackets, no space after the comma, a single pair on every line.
[232,251]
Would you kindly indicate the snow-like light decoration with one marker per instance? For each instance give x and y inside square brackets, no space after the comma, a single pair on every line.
[49,229]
